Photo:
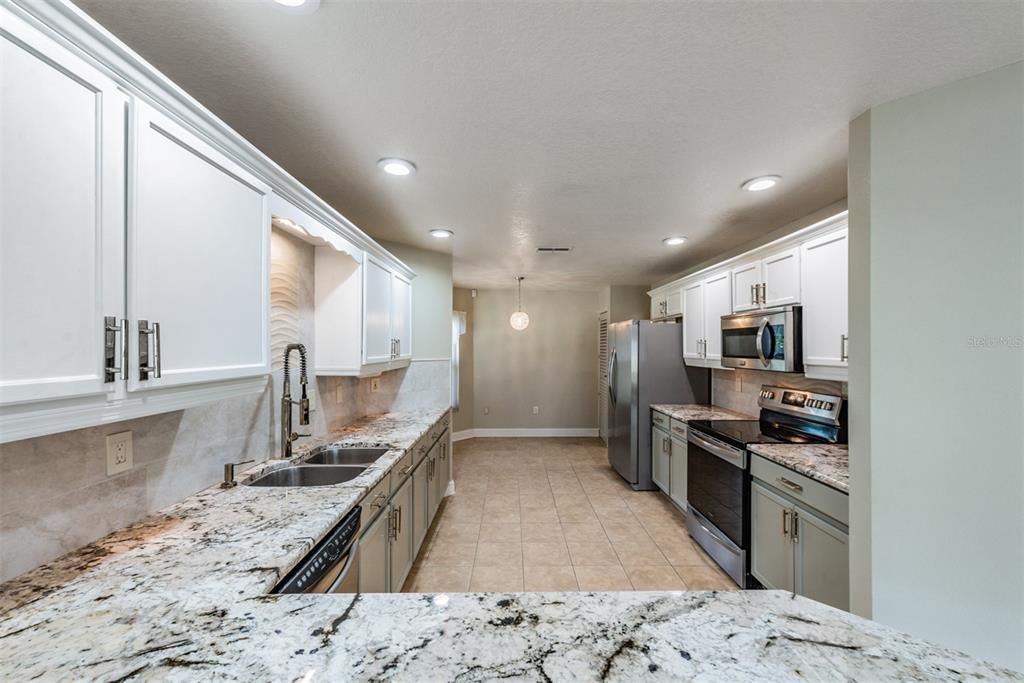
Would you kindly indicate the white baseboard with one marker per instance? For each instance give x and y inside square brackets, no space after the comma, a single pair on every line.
[524,433]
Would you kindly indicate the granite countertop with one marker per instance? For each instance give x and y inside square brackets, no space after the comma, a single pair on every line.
[182,595]
[698,411]
[827,463]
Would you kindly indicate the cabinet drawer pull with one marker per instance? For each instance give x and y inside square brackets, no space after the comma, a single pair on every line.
[792,486]
[406,470]
[110,330]
[843,353]
[785,522]
[378,500]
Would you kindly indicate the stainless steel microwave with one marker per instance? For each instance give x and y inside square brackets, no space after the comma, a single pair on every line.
[771,339]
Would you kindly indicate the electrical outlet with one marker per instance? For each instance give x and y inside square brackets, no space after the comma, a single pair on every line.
[536,410]
[119,452]
[375,384]
[487,411]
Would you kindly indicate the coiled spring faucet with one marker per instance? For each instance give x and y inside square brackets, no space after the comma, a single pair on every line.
[287,435]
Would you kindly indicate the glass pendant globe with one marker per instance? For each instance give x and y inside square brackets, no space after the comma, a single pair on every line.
[519,320]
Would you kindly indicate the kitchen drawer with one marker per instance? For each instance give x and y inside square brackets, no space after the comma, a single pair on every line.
[660,419]
[401,471]
[375,500]
[678,429]
[811,493]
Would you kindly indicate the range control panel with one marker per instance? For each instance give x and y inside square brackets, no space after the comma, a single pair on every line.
[800,402]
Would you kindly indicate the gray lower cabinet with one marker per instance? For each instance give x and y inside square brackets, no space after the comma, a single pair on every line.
[420,512]
[822,559]
[677,471]
[661,452]
[373,556]
[798,549]
[772,558]
[401,554]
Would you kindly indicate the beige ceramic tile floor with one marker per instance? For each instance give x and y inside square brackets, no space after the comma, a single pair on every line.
[551,515]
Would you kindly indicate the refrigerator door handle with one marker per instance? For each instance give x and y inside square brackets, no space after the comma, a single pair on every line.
[611,375]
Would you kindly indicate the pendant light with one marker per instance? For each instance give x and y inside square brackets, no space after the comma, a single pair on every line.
[519,320]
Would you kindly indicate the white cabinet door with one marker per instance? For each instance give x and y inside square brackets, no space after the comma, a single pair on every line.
[373,556]
[825,299]
[401,315]
[661,451]
[674,303]
[62,137]
[658,305]
[677,472]
[198,255]
[745,279]
[781,275]
[400,554]
[717,302]
[434,486]
[822,560]
[376,312]
[771,560]
[693,321]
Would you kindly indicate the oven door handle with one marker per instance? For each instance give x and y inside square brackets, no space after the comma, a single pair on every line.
[714,533]
[353,559]
[760,334]
[733,456]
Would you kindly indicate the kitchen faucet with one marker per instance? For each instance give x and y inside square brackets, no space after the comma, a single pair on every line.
[287,435]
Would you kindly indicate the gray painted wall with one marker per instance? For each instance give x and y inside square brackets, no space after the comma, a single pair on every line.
[552,364]
[939,236]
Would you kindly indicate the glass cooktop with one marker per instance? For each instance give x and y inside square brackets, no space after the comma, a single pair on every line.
[739,433]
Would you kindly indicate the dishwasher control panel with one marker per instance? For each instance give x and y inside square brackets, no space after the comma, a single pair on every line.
[323,557]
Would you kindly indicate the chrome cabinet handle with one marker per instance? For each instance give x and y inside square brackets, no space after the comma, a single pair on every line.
[792,486]
[398,524]
[794,528]
[764,292]
[785,522]
[843,353]
[145,367]
[753,299]
[110,330]
[406,470]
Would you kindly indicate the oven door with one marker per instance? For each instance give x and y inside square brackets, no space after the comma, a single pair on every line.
[716,484]
[768,340]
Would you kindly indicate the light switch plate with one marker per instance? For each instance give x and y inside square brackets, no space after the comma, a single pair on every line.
[119,453]
[536,410]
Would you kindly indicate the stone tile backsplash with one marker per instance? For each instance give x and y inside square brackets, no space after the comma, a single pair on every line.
[738,389]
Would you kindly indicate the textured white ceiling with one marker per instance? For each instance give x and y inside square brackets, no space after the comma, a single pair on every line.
[601,126]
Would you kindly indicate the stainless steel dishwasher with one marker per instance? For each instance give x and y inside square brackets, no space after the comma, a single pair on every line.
[332,566]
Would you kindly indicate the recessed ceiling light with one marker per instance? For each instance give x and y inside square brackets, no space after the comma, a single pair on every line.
[441,233]
[393,166]
[674,241]
[761,183]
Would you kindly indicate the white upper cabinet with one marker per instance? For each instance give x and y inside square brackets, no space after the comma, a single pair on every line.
[824,265]
[360,293]
[377,339]
[198,237]
[62,217]
[401,315]
[693,322]
[780,275]
[717,302]
[746,283]
[767,282]
[667,304]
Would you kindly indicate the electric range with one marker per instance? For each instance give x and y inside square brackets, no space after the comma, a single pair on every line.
[718,467]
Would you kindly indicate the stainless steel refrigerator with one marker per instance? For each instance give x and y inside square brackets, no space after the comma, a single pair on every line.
[645,366]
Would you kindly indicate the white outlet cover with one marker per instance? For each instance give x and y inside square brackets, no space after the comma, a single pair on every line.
[375,384]
[487,411]
[119,453]
[536,410]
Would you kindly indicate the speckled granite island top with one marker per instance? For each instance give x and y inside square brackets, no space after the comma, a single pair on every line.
[182,596]
[698,411]
[827,463]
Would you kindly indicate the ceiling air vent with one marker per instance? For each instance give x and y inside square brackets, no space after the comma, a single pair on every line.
[553,250]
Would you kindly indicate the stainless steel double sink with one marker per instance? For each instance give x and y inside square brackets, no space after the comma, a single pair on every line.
[325,466]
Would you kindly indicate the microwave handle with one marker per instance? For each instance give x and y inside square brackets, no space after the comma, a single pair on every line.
[760,333]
